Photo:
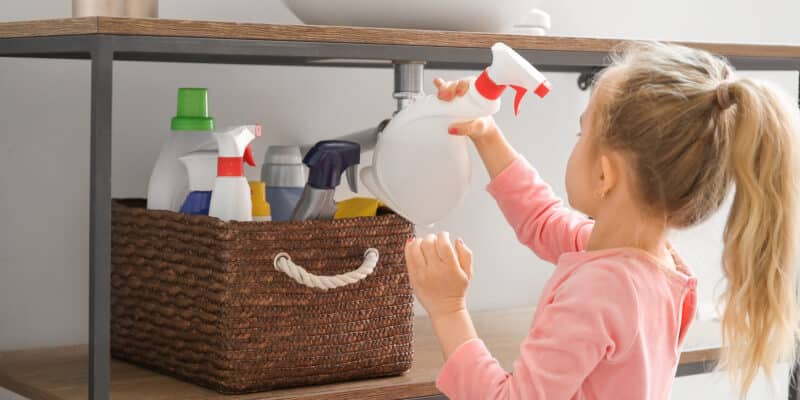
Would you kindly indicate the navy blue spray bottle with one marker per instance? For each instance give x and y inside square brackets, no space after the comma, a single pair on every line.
[327,161]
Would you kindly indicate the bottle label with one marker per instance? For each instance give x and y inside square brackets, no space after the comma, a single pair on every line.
[230,166]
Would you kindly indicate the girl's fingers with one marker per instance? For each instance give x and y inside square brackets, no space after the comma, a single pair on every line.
[468,128]
[445,249]
[464,257]
[460,128]
[446,91]
[415,261]
[462,87]
[429,249]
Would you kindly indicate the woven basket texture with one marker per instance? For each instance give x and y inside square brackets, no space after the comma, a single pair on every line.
[199,299]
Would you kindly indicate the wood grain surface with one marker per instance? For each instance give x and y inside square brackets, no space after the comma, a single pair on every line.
[50,27]
[340,34]
[61,373]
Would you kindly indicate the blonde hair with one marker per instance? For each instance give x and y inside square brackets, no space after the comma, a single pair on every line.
[690,129]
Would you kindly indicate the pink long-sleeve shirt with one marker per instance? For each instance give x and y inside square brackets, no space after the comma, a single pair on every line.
[609,324]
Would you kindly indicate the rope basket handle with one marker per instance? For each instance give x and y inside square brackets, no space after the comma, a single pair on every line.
[283,262]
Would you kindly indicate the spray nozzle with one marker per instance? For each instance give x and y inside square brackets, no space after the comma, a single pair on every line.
[234,148]
[329,159]
[518,97]
[248,151]
[248,156]
[510,69]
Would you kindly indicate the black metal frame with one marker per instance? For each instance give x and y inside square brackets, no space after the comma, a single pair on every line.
[104,49]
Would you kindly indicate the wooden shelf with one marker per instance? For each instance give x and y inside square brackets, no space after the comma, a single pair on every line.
[61,373]
[340,34]
[142,39]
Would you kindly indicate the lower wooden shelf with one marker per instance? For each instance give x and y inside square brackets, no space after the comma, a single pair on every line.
[62,372]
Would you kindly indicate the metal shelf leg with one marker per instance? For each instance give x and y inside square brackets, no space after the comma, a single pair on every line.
[100,221]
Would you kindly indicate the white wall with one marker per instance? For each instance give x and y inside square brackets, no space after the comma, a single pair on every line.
[44,145]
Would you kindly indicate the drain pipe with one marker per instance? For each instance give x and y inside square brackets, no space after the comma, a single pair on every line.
[408,77]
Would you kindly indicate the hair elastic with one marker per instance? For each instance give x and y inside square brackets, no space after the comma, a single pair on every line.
[724,95]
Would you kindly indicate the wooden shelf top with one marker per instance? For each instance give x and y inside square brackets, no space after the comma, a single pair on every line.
[356,35]
[61,373]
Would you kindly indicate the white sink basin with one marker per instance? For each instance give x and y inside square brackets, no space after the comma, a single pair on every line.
[451,15]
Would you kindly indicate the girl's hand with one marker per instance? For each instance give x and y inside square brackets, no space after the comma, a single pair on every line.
[474,129]
[439,273]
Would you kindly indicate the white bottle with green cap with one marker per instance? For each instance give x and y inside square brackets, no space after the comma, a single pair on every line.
[192,130]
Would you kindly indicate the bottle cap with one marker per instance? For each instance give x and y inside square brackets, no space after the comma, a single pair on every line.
[283,155]
[192,112]
[283,167]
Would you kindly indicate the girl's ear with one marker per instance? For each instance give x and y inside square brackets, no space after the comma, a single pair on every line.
[609,174]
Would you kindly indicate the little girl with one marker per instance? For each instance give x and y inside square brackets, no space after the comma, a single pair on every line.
[667,130]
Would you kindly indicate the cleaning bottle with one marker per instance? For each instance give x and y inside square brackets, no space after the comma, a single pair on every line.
[326,161]
[201,166]
[230,199]
[357,207]
[192,129]
[261,208]
[419,170]
[283,171]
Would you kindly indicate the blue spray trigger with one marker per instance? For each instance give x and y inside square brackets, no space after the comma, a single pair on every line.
[328,159]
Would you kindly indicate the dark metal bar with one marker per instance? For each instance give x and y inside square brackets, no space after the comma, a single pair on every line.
[697,368]
[47,47]
[793,390]
[238,51]
[100,219]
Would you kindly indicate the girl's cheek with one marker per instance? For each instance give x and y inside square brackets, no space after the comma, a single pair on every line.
[578,187]
[570,180]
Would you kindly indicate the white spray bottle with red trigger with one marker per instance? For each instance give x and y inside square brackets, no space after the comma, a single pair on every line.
[419,170]
[230,199]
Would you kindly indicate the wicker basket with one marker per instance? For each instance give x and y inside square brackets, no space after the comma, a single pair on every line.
[202,300]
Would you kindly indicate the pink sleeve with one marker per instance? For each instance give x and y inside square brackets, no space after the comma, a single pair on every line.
[592,317]
[538,217]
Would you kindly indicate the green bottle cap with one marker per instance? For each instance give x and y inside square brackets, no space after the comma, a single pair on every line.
[192,111]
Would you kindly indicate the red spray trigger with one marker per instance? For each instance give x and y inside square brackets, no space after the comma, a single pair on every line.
[521,91]
[248,156]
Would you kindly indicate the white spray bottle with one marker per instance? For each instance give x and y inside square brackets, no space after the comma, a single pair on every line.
[419,170]
[230,199]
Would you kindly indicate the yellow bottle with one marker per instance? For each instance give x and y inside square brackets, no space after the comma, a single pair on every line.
[357,207]
[258,195]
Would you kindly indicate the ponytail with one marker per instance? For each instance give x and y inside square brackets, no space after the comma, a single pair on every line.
[760,317]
